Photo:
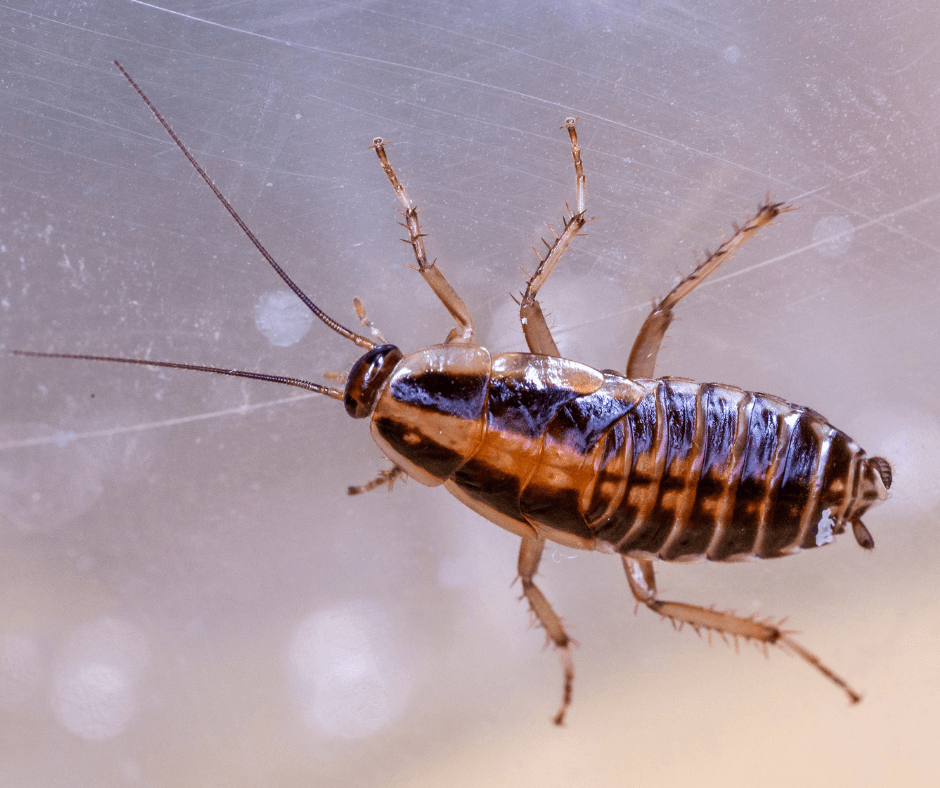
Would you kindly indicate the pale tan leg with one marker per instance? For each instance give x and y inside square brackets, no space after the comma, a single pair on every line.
[529,556]
[364,319]
[642,363]
[388,477]
[455,305]
[643,585]
[536,330]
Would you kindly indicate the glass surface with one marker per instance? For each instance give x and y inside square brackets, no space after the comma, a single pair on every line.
[187,594]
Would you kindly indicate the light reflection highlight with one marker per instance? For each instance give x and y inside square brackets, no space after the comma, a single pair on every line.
[94,692]
[344,670]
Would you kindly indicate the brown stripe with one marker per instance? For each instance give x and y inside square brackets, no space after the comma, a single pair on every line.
[643,491]
[687,534]
[736,462]
[763,430]
[813,507]
[774,478]
[796,487]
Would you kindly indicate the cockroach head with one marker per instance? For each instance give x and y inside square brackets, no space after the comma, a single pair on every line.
[367,378]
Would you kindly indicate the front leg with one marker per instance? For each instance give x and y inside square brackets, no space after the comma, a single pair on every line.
[643,585]
[432,275]
[530,554]
[384,477]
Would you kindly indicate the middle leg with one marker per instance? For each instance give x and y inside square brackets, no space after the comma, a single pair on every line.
[537,334]
[530,554]
[539,339]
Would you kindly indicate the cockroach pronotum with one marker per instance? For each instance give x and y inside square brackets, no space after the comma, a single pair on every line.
[551,449]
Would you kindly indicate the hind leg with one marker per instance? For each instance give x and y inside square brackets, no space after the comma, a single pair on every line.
[539,339]
[642,363]
[643,585]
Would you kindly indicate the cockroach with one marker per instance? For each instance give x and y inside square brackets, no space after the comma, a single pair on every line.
[550,449]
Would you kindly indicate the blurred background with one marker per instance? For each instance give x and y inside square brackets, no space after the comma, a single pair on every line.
[188,597]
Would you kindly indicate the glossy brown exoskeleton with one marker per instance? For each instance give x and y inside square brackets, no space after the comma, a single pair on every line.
[552,449]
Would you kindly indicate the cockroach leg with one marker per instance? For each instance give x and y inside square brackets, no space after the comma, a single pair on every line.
[388,477]
[642,363]
[643,585]
[530,554]
[364,319]
[463,334]
[537,334]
